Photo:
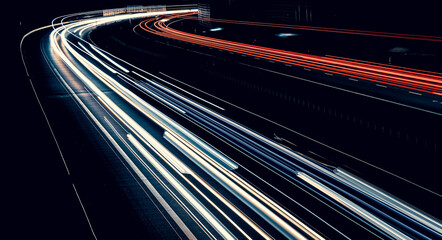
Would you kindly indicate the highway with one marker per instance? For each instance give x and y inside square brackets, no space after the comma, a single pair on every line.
[207,174]
[406,78]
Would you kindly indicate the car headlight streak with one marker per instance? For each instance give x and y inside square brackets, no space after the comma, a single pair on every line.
[214,163]
[62,46]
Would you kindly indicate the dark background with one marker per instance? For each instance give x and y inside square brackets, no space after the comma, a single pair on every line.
[35,204]
[396,16]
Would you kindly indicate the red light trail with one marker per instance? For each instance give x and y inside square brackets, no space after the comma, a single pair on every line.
[408,78]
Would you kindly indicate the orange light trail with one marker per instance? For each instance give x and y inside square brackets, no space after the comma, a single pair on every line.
[408,78]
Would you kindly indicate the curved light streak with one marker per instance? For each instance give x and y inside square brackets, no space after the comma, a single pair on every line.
[405,78]
[213,162]
[62,46]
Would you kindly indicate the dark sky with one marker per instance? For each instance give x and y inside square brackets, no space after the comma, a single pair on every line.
[421,16]
[34,14]
[40,12]
[414,16]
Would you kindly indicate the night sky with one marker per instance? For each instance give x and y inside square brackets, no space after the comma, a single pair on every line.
[397,16]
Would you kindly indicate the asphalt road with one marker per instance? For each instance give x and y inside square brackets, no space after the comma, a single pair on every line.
[174,159]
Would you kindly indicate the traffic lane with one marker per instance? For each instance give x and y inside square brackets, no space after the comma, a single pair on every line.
[362,69]
[101,96]
[363,202]
[96,113]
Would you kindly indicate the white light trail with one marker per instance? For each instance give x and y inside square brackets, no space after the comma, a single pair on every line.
[172,140]
[187,92]
[429,222]
[97,59]
[131,124]
[99,51]
[237,188]
[209,159]
[216,29]
[221,229]
[388,199]
[174,216]
[354,207]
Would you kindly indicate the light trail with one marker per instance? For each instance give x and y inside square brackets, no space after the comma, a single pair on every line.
[374,70]
[66,51]
[246,139]
[108,59]
[400,77]
[353,207]
[184,192]
[174,172]
[398,204]
[225,178]
[120,113]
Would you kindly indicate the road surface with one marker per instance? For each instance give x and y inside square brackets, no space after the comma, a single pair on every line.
[205,174]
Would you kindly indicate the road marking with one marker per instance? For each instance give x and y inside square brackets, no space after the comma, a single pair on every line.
[353,79]
[182,190]
[101,52]
[191,94]
[307,69]
[329,74]
[353,207]
[151,93]
[29,33]
[379,85]
[49,125]
[146,182]
[415,93]
[316,154]
[335,149]
[84,211]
